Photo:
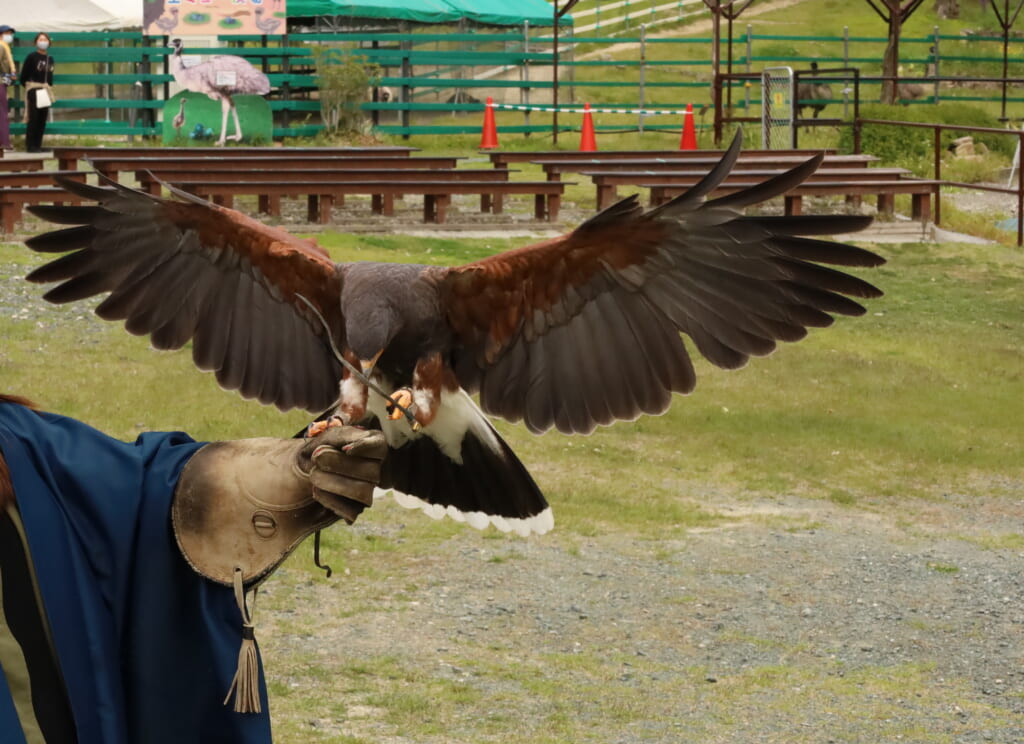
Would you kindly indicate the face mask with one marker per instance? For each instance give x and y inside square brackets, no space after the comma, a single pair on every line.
[43,45]
[8,38]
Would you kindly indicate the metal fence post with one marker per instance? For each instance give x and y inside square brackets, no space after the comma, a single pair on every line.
[524,92]
[643,76]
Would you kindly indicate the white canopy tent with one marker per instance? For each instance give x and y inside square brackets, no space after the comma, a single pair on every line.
[72,15]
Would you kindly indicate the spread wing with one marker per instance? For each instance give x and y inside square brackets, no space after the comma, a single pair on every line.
[585,329]
[186,270]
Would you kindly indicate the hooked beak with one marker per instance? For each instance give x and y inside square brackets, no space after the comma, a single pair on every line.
[368,364]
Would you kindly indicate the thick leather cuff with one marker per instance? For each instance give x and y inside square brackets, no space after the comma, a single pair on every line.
[244,504]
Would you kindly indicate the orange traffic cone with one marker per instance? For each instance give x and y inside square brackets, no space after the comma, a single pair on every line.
[689,141]
[489,138]
[588,143]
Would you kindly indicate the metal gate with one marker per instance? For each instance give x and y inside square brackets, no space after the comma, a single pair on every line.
[778,94]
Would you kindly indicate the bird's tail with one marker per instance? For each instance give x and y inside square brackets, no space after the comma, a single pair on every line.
[478,480]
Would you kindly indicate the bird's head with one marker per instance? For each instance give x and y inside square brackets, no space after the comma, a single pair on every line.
[176,45]
[372,316]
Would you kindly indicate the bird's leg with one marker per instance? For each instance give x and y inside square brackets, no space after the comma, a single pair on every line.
[237,136]
[225,106]
[424,397]
[354,394]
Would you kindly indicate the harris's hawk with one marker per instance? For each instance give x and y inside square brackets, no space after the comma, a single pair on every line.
[571,333]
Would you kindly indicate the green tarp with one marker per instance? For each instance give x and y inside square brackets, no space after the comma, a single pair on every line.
[490,12]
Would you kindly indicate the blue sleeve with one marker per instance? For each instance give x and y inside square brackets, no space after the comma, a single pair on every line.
[147,646]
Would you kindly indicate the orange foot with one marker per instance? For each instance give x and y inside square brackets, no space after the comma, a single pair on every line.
[403,397]
[319,427]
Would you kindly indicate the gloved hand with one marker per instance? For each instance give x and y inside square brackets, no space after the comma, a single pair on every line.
[248,503]
[343,467]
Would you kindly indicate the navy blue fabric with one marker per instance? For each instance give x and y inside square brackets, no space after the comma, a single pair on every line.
[147,646]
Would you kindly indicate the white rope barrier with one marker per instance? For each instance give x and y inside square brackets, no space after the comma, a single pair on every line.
[641,112]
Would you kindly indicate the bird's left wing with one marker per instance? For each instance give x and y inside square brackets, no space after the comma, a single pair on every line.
[185,270]
[584,329]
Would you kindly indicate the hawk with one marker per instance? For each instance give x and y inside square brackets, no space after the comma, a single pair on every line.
[570,333]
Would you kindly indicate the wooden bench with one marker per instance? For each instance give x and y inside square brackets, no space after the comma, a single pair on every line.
[35,188]
[555,168]
[436,195]
[607,183]
[271,204]
[112,166]
[68,156]
[19,164]
[501,159]
[920,190]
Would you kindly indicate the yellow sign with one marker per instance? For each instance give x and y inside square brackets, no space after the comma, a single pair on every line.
[212,17]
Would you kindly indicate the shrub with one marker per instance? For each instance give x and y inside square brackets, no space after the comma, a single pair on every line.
[911,147]
[343,79]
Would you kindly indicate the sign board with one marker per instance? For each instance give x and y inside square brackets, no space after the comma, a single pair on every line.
[206,17]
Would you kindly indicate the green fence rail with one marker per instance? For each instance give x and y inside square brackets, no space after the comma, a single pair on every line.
[114,83]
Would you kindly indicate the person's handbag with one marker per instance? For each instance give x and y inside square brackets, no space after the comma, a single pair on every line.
[43,98]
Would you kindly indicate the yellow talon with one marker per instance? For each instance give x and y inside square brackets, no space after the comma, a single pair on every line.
[403,398]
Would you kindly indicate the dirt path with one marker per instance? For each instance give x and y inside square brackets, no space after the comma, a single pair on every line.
[697,28]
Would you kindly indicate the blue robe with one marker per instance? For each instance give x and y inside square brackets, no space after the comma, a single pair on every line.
[147,647]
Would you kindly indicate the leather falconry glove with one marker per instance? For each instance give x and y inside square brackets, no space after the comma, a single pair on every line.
[246,504]
[241,507]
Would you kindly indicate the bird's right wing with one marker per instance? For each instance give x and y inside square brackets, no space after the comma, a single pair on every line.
[185,270]
[584,329]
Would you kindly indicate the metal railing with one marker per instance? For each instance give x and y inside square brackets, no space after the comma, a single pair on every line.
[937,129]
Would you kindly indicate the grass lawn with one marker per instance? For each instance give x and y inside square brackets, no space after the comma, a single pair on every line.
[922,395]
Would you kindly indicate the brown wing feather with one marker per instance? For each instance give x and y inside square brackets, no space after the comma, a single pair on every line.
[187,270]
[585,328]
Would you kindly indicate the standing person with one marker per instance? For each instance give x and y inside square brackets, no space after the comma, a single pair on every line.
[8,74]
[37,77]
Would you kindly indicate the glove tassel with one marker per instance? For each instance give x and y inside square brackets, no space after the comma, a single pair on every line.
[246,683]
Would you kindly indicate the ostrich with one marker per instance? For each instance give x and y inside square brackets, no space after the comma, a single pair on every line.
[179,119]
[806,92]
[219,77]
[267,26]
[168,24]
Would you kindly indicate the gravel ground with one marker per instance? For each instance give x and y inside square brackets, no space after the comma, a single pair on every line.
[799,621]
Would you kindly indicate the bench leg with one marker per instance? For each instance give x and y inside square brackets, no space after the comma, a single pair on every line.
[485,203]
[498,203]
[443,201]
[429,208]
[326,204]
[794,205]
[387,207]
[376,205]
[263,204]
[554,205]
[153,188]
[886,203]
[921,207]
[9,213]
[539,206]
[605,196]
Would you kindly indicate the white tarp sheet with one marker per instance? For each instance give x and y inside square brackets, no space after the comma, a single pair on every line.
[72,15]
